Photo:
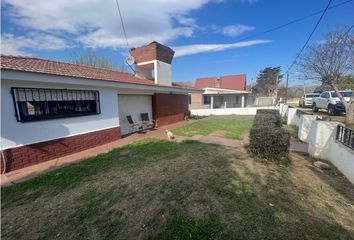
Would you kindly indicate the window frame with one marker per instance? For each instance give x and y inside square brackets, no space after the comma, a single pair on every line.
[206,96]
[21,118]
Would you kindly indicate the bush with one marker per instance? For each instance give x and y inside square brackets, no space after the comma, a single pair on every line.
[270,120]
[267,138]
[267,117]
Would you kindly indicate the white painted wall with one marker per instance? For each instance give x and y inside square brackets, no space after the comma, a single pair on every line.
[322,143]
[343,158]
[284,110]
[320,138]
[293,119]
[163,73]
[305,125]
[133,105]
[227,111]
[15,133]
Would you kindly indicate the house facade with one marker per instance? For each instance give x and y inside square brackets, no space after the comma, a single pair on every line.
[51,109]
[221,92]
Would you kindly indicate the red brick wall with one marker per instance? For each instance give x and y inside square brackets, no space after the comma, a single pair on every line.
[32,154]
[152,51]
[169,108]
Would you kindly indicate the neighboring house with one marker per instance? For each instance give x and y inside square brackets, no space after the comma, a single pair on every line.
[221,92]
[50,109]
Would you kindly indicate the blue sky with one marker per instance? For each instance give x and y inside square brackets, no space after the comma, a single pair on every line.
[204,33]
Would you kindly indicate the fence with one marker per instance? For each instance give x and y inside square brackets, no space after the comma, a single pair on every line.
[345,136]
[327,140]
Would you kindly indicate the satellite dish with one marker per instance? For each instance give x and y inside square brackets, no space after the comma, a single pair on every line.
[129,60]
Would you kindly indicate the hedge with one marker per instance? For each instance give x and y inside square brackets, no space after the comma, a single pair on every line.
[267,138]
[269,119]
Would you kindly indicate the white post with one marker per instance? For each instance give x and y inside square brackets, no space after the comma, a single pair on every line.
[243,101]
[212,102]
[225,103]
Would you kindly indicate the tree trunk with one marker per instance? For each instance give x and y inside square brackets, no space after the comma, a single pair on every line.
[349,117]
[349,107]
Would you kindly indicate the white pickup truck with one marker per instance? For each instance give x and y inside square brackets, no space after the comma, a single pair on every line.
[330,101]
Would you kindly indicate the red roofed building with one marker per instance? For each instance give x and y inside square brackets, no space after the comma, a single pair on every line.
[221,92]
[50,109]
[233,82]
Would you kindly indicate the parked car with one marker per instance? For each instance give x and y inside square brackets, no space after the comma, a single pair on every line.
[307,99]
[330,101]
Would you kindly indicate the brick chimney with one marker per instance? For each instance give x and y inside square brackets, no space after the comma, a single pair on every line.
[153,61]
[217,82]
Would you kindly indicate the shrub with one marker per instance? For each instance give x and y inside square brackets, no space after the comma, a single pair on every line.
[270,143]
[267,138]
[267,119]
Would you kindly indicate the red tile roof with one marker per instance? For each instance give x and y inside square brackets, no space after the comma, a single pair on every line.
[234,82]
[37,65]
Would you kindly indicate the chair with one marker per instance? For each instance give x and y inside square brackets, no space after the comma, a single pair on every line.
[146,121]
[133,125]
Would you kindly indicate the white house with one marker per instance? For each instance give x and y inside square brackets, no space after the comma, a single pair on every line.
[221,92]
[50,109]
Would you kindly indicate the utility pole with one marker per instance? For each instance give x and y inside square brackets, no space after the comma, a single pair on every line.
[286,88]
[276,86]
[304,87]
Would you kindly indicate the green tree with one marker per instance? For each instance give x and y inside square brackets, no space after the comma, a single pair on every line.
[267,82]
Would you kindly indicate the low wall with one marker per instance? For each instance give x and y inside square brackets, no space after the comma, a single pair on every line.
[343,158]
[321,136]
[305,125]
[227,111]
[283,109]
[32,154]
[293,118]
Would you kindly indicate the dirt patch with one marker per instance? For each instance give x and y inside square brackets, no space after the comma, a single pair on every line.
[218,133]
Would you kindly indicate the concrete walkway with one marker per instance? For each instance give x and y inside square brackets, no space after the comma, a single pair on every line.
[299,147]
[32,171]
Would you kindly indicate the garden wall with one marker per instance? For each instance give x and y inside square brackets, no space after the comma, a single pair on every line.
[227,111]
[321,137]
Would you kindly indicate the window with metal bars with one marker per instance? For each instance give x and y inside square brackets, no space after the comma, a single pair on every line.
[34,104]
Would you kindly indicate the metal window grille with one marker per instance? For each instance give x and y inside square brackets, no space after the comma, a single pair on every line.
[345,136]
[33,104]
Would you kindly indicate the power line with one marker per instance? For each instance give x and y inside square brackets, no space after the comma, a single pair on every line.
[308,39]
[121,20]
[293,21]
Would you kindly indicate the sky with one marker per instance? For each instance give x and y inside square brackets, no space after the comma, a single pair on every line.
[207,35]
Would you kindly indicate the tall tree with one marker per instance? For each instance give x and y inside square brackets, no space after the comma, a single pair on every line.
[330,61]
[344,83]
[92,58]
[267,82]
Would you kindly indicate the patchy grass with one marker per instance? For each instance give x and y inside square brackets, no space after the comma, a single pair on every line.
[164,190]
[232,127]
[293,130]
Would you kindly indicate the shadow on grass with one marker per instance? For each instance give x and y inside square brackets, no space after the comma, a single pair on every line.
[334,178]
[165,190]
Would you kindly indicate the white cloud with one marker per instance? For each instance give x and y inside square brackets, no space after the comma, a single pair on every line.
[202,48]
[235,30]
[96,23]
[12,45]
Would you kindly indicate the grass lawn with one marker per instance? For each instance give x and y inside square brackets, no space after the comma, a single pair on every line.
[232,127]
[156,189]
